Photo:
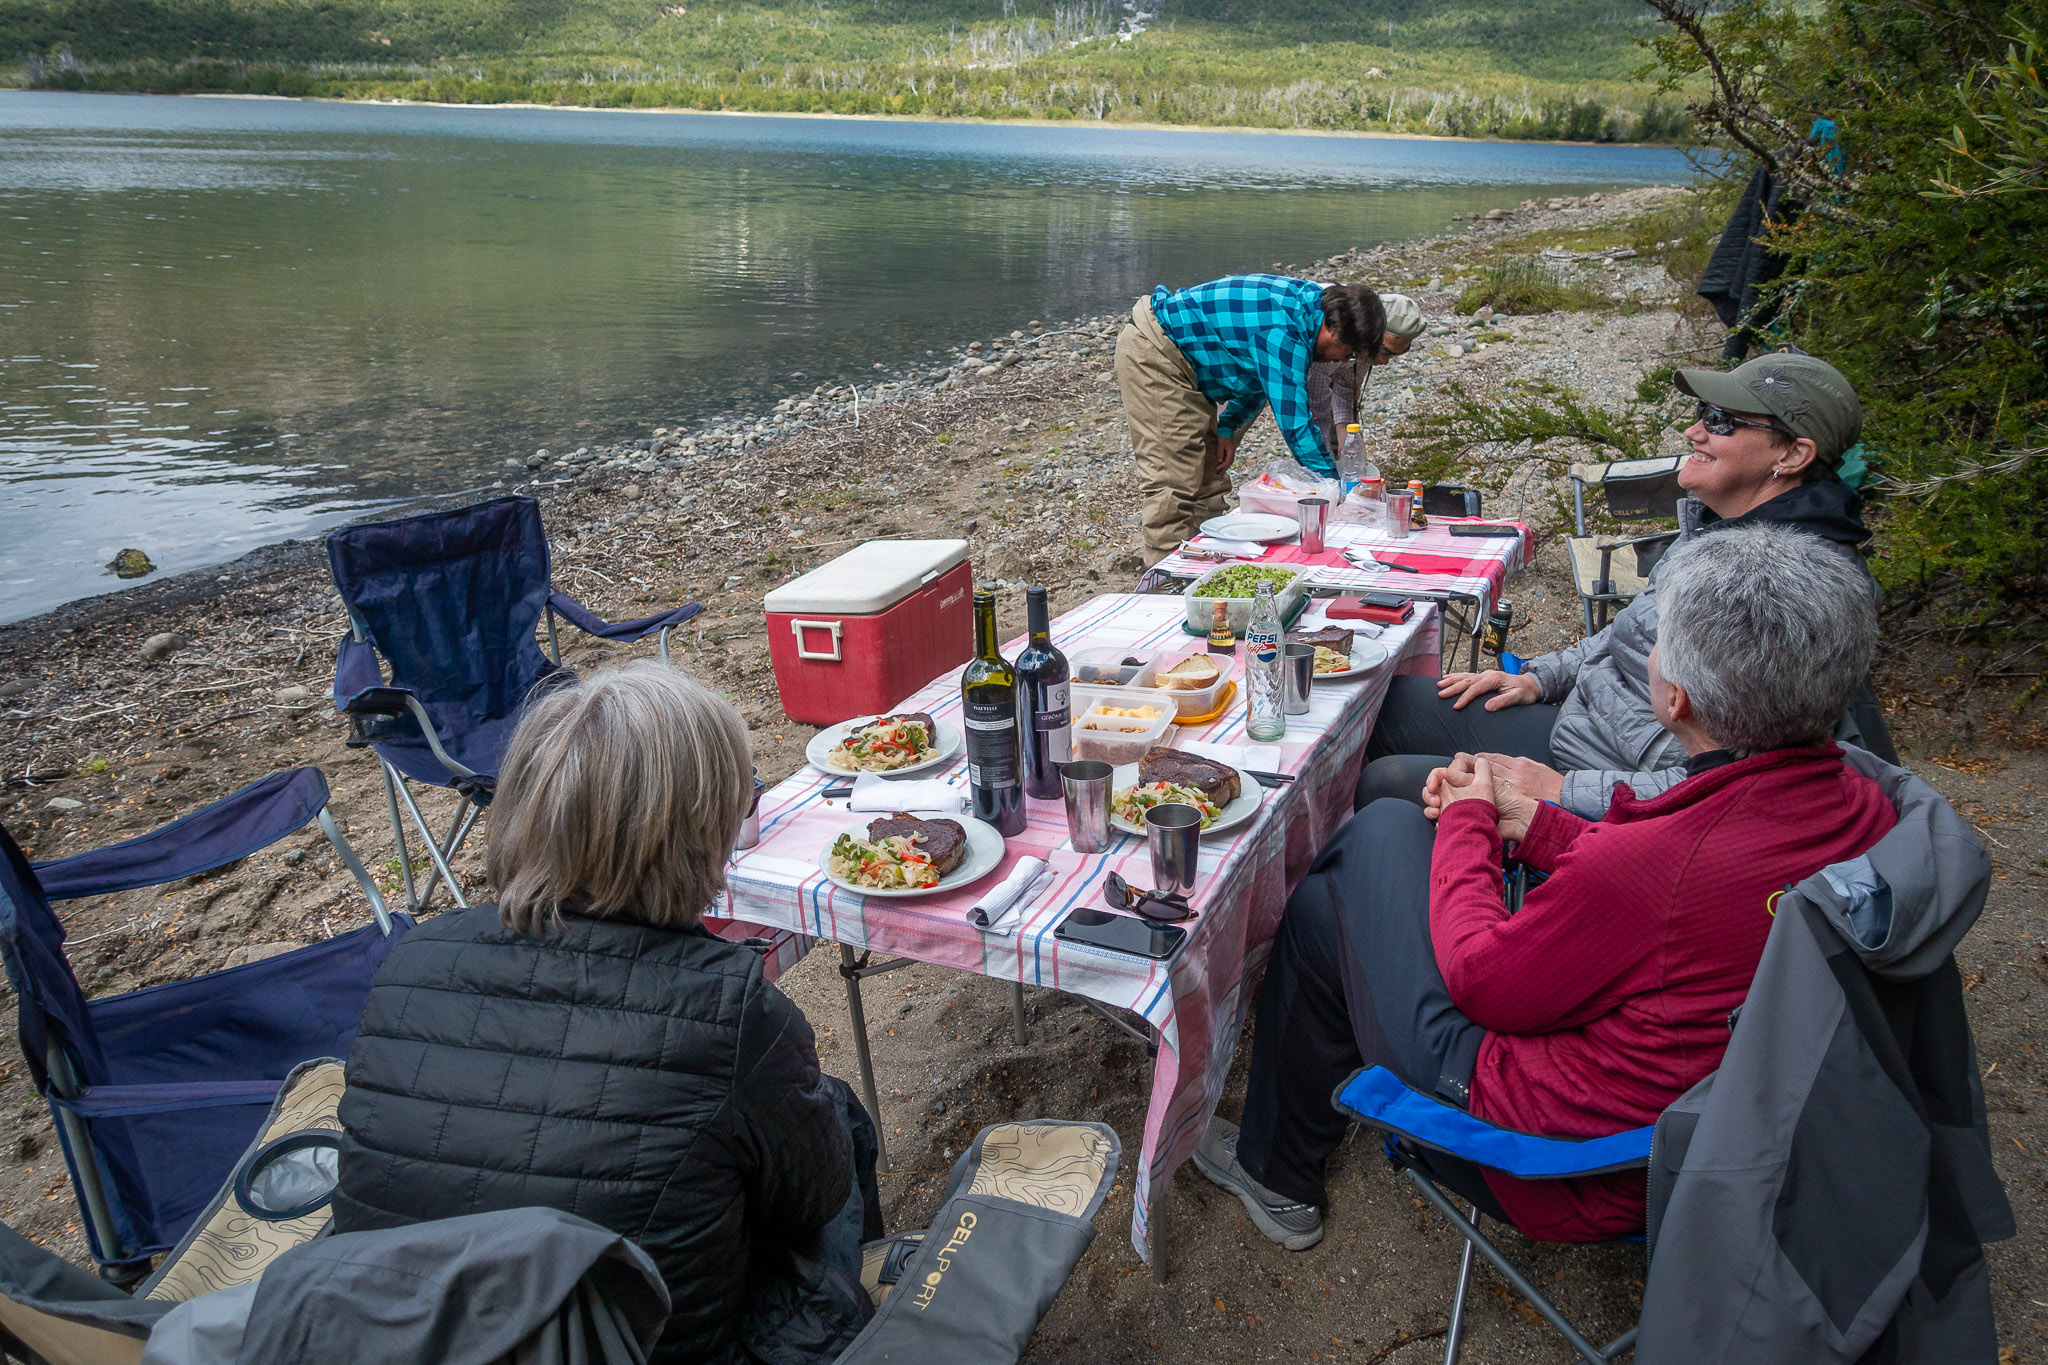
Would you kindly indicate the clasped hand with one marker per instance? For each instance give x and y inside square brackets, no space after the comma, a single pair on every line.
[1471,777]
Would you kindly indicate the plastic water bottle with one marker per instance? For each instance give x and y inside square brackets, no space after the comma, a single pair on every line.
[1350,461]
[1266,717]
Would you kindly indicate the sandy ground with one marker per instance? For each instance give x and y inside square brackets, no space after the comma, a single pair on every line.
[1028,461]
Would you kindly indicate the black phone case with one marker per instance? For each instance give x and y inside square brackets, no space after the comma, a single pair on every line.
[1390,601]
[1120,933]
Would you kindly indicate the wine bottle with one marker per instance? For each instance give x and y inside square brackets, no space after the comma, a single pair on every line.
[1045,721]
[988,690]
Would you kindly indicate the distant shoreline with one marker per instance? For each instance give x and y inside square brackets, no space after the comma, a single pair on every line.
[1096,124]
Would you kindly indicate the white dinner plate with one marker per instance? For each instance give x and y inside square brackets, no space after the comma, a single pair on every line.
[1249,795]
[946,743]
[1366,655]
[984,852]
[1263,527]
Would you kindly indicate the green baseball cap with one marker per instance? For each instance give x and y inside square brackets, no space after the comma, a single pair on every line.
[1806,394]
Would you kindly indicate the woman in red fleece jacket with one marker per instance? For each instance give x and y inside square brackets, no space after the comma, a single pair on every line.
[1608,994]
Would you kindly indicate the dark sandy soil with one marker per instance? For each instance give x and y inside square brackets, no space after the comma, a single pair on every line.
[1028,462]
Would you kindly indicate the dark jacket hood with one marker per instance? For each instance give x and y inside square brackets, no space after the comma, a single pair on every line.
[1827,507]
[1904,906]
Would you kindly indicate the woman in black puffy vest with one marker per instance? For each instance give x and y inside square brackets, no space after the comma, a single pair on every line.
[586,1044]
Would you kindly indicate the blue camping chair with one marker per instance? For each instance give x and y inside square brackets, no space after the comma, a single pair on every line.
[1417,1124]
[450,601]
[156,1092]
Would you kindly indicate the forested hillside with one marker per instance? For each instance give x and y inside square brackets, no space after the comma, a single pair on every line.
[1500,68]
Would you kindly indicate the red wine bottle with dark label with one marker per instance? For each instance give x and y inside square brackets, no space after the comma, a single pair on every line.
[1045,720]
[988,693]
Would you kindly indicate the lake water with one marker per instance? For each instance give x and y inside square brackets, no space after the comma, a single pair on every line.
[227,322]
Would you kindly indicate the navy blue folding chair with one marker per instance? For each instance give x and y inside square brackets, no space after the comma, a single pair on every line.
[157,1091]
[1417,1124]
[450,601]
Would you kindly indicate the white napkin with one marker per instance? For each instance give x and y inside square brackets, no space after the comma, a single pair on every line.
[873,792]
[1242,549]
[1264,758]
[1362,559]
[999,911]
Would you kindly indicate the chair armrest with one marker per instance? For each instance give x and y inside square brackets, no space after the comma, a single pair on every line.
[234,827]
[359,686]
[126,1101]
[1377,1098]
[587,621]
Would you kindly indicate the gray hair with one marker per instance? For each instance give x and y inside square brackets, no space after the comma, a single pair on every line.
[620,797]
[1769,630]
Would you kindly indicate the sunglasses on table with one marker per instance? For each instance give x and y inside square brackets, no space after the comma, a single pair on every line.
[1163,907]
[1720,422]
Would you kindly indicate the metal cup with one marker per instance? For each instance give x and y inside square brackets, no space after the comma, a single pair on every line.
[1400,512]
[1315,514]
[1085,784]
[1298,672]
[1175,834]
[750,828]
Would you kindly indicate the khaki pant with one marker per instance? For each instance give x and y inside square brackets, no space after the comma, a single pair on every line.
[1173,432]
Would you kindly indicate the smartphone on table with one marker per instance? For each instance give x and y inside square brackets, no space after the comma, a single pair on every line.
[1120,933]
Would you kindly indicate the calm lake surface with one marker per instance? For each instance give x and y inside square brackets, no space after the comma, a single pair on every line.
[228,322]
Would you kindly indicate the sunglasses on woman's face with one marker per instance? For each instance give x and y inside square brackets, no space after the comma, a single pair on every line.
[1163,906]
[1720,422]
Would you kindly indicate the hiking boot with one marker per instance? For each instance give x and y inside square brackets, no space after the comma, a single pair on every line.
[1294,1226]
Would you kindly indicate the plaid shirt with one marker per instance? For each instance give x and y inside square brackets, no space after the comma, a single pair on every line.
[1250,339]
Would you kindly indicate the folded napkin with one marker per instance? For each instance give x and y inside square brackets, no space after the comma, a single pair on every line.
[873,792]
[1242,549]
[1264,758]
[999,911]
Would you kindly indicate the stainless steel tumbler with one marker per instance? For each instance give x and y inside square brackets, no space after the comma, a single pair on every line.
[1085,784]
[1298,672]
[750,828]
[1175,835]
[1315,515]
[1400,515]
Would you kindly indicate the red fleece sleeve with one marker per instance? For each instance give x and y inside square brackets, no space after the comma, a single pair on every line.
[1550,966]
[1551,834]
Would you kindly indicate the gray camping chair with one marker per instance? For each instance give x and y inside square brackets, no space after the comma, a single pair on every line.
[1017,1216]
[1610,571]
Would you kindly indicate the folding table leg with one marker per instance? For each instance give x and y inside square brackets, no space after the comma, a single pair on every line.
[860,1051]
[1156,1227]
[1017,1012]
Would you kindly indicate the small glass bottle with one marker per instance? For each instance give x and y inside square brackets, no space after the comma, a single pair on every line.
[1266,718]
[1222,639]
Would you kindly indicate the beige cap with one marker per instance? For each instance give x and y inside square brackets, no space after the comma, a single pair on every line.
[1404,316]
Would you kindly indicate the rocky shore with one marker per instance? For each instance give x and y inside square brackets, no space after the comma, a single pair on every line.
[120,712]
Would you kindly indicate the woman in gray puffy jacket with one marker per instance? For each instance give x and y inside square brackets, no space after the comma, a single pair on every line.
[1765,447]
[586,1044]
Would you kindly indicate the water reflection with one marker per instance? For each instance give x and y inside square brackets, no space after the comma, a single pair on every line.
[229,322]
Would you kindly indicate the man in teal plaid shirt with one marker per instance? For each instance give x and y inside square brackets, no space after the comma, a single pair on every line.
[1197,365]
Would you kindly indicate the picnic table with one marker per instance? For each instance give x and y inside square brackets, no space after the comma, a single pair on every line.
[1461,573]
[1194,1003]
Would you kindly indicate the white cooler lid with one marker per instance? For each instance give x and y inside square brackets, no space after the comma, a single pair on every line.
[867,579]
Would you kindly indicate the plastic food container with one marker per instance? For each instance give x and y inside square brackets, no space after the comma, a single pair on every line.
[1106,666]
[858,635]
[1198,701]
[1202,610]
[1119,739]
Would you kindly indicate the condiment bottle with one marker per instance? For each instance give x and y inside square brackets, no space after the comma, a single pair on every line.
[1222,640]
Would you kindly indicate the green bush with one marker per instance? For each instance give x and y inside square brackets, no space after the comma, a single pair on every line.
[1525,284]
[1917,266]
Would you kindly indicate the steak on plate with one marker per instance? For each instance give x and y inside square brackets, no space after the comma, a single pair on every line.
[943,841]
[1217,781]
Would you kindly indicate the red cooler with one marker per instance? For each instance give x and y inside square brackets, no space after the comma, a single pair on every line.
[858,635]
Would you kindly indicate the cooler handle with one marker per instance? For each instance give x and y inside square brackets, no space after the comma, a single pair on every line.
[797,629]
